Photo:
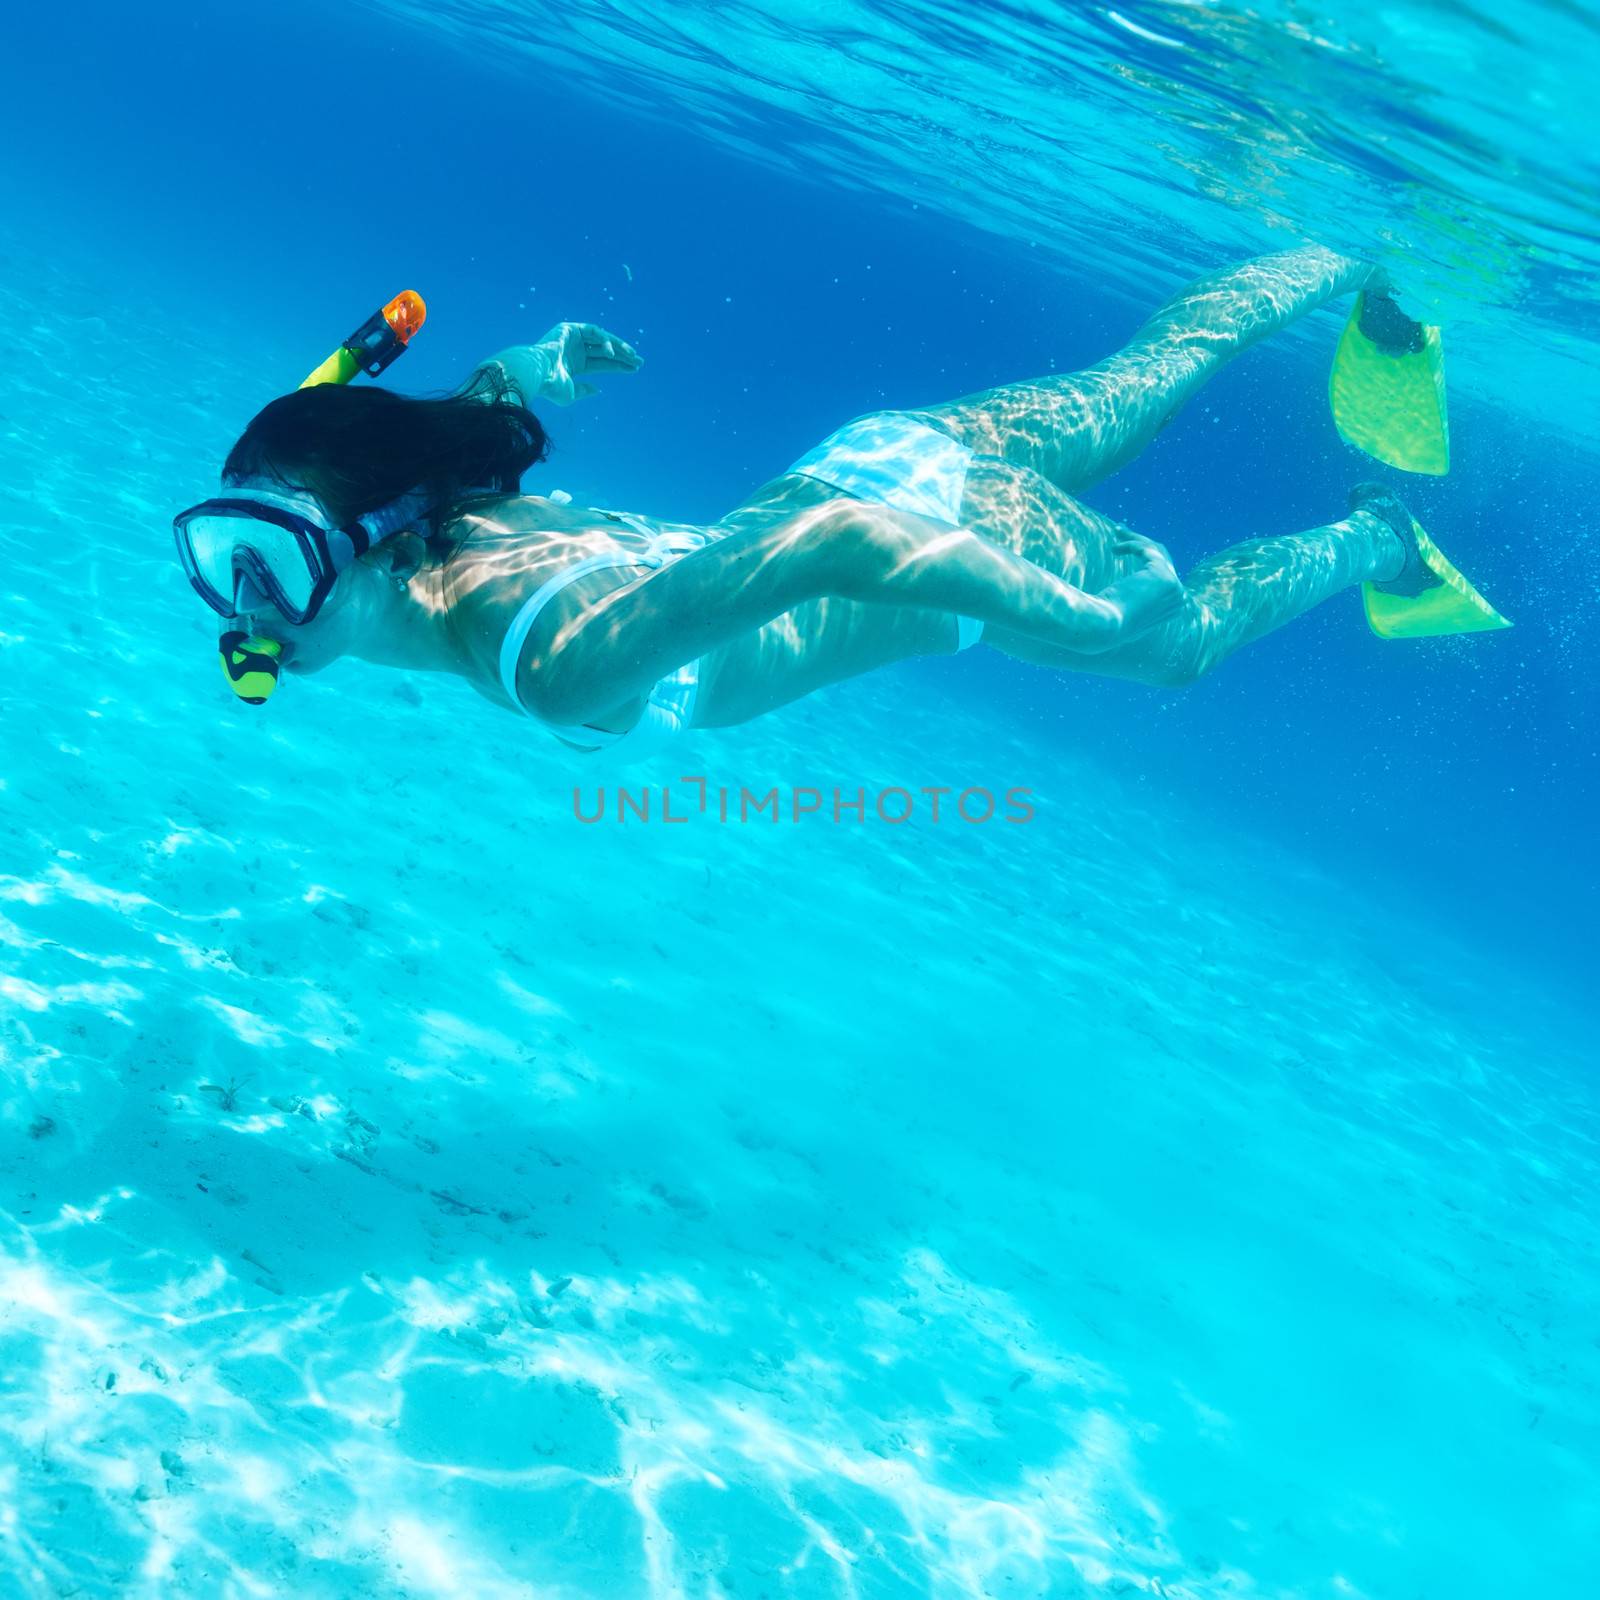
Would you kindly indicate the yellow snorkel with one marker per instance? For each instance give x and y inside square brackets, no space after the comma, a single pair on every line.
[251,663]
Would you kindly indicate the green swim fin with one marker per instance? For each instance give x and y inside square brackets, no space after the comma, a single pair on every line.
[1387,388]
[1447,605]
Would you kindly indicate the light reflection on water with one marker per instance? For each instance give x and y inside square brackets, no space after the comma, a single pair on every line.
[1137,142]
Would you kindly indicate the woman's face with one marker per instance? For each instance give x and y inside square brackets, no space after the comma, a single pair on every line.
[333,632]
[365,607]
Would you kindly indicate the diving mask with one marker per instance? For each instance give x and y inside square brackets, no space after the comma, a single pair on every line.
[254,546]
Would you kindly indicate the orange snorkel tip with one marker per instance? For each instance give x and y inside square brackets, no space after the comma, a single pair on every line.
[382,338]
[405,314]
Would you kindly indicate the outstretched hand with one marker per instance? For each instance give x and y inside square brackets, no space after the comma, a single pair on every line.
[577,350]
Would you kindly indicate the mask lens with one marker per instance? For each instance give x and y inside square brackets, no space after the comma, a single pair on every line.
[278,562]
[281,551]
[206,544]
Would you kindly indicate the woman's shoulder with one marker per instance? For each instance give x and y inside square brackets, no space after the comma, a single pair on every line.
[502,547]
[530,518]
[487,516]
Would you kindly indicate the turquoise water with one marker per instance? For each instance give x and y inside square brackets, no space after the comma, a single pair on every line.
[407,1189]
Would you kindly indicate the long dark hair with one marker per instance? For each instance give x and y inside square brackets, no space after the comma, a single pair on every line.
[361,447]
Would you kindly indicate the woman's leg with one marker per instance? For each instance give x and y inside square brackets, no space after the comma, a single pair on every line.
[1080,427]
[1232,598]
[1250,589]
[1238,596]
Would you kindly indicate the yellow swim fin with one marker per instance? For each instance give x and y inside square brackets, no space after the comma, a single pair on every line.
[1387,388]
[1448,604]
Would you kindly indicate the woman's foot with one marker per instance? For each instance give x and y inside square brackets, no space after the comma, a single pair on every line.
[1387,385]
[1385,324]
[1427,597]
[1414,575]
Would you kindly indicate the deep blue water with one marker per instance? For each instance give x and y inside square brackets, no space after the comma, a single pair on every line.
[1246,1099]
[269,180]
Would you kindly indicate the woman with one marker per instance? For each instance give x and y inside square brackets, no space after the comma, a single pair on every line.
[904,534]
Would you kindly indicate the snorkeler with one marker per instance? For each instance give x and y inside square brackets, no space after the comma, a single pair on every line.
[357,522]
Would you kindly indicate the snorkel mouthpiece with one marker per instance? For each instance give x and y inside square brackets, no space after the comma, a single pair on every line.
[382,338]
[251,665]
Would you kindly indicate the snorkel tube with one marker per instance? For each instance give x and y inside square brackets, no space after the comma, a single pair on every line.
[251,663]
[381,339]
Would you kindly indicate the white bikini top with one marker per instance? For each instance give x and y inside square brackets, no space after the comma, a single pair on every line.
[669,707]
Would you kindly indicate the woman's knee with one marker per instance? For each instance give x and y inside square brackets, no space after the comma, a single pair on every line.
[1180,674]
[1176,668]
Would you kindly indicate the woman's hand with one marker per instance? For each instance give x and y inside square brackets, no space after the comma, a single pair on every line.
[575,350]
[1143,555]
[1149,590]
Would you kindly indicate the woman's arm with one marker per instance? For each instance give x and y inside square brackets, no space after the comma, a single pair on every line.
[904,560]
[552,369]
[849,549]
